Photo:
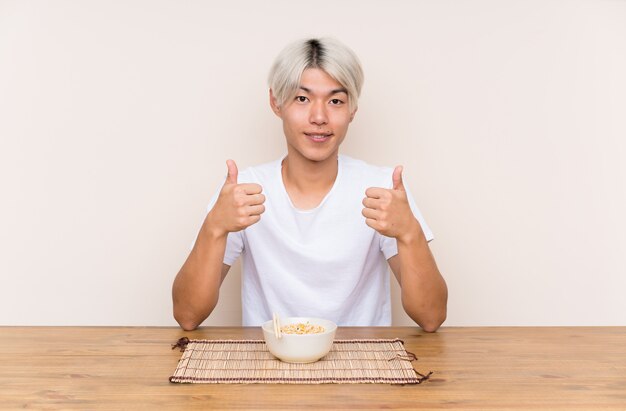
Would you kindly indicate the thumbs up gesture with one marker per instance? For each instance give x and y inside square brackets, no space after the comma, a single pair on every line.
[388,211]
[238,205]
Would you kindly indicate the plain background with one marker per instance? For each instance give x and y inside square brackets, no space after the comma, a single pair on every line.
[116,119]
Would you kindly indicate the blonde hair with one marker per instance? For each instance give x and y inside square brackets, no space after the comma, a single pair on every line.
[327,54]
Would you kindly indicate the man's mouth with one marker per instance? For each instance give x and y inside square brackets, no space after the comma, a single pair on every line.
[318,137]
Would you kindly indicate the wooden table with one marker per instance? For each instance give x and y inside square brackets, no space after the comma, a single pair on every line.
[474,368]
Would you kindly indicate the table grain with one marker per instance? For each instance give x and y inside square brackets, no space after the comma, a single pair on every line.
[475,368]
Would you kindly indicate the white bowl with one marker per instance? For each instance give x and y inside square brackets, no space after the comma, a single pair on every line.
[300,348]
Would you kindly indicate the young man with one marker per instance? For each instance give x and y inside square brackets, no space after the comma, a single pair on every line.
[317,230]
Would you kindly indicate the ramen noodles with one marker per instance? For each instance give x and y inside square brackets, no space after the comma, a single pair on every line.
[302,328]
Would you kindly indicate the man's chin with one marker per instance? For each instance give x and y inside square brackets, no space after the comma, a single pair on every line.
[318,156]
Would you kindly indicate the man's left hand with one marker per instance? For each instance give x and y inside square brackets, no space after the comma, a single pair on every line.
[388,212]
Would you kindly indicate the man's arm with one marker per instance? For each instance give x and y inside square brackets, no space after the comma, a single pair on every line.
[195,291]
[424,291]
[196,288]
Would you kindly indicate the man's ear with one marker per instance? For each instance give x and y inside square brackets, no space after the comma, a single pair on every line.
[274,104]
[353,113]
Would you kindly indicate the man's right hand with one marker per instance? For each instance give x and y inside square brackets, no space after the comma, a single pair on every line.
[238,205]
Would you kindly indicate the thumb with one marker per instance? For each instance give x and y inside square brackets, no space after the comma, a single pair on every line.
[397,178]
[231,178]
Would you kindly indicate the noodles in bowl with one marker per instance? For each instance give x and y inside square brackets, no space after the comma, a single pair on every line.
[302,340]
[302,328]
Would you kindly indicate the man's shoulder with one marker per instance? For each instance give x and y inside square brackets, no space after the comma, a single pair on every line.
[357,164]
[362,170]
[259,172]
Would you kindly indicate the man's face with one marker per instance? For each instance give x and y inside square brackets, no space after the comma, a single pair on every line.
[316,121]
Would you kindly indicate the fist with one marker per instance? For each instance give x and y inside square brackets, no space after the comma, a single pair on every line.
[238,205]
[388,211]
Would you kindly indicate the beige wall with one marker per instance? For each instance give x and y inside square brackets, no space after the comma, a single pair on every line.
[116,119]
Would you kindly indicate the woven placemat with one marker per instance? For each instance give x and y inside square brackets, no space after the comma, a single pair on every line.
[249,361]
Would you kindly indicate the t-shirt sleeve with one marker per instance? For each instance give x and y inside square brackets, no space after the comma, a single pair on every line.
[389,246]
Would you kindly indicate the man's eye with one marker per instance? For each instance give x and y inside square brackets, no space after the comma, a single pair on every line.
[301,99]
[335,101]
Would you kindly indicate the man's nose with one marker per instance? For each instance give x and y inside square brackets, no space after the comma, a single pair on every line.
[318,114]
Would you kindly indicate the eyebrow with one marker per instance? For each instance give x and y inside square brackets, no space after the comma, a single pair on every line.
[335,91]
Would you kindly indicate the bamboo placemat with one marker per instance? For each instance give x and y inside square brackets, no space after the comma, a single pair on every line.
[249,361]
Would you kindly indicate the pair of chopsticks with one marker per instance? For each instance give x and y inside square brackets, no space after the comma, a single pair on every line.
[276,322]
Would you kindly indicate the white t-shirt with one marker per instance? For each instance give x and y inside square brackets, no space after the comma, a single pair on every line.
[324,262]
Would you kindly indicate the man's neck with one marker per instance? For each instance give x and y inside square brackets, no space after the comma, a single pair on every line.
[307,182]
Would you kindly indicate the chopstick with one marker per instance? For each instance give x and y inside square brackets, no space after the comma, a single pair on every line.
[276,322]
